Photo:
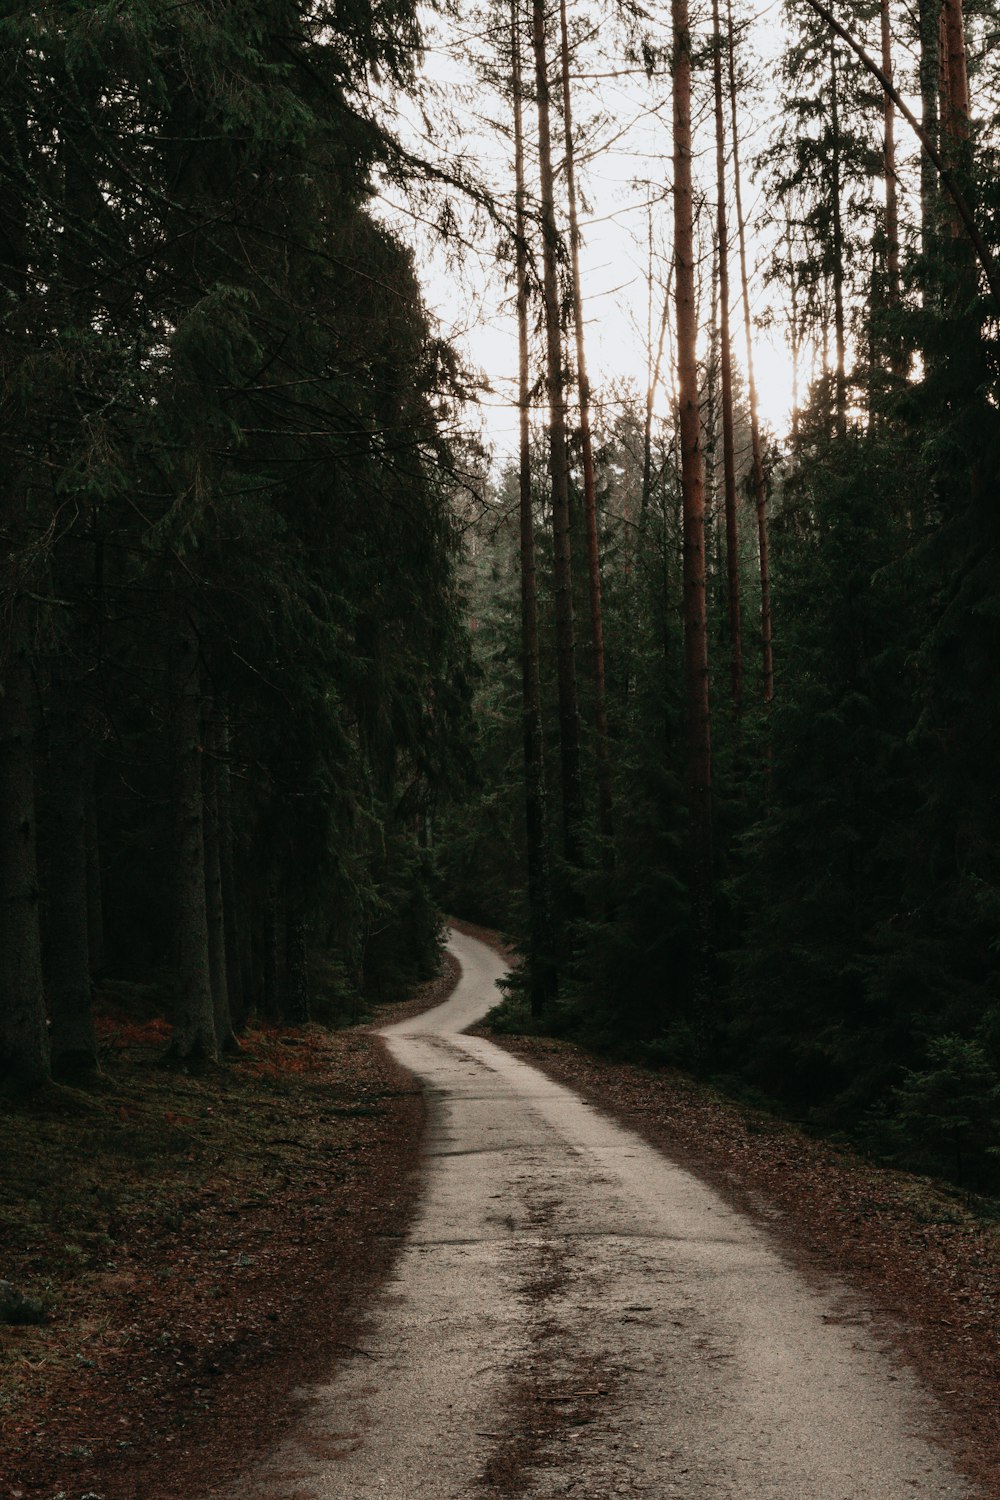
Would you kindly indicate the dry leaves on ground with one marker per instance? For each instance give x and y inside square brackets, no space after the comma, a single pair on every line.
[205,1246]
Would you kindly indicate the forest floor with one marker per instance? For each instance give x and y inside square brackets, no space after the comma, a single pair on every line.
[203,1246]
[924,1254]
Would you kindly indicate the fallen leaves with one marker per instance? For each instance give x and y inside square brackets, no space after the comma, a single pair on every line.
[204,1245]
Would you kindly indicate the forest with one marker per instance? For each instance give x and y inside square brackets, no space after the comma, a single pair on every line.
[703,714]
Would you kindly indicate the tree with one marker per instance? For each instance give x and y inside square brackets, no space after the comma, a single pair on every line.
[542,976]
[569,711]
[604,794]
[699,753]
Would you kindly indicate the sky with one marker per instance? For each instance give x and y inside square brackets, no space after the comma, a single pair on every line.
[624,172]
[624,187]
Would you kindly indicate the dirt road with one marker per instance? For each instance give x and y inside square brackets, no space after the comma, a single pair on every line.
[574,1315]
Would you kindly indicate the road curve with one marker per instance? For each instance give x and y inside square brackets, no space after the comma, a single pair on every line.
[572,1314]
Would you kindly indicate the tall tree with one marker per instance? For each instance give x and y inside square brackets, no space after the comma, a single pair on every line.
[542,974]
[569,711]
[699,742]
[757,459]
[726,373]
[604,792]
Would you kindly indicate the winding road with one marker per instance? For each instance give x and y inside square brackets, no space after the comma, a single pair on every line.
[573,1315]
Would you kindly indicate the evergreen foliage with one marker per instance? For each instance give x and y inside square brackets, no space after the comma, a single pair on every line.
[853,973]
[226,494]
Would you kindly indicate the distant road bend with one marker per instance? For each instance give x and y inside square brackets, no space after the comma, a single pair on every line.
[574,1315]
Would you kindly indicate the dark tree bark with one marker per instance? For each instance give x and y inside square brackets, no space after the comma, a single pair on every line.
[230,886]
[698,719]
[543,977]
[95,882]
[569,710]
[249,979]
[24,1041]
[266,948]
[194,1037]
[214,902]
[67,928]
[296,982]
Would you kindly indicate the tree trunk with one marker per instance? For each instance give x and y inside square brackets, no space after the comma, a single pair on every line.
[891,185]
[296,987]
[793,338]
[24,1040]
[95,886]
[956,140]
[542,974]
[929,12]
[249,982]
[214,902]
[569,710]
[67,928]
[604,792]
[268,998]
[838,249]
[230,889]
[194,1037]
[726,372]
[759,485]
[647,430]
[699,746]
[955,90]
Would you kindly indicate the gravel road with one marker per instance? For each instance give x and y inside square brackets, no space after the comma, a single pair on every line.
[574,1315]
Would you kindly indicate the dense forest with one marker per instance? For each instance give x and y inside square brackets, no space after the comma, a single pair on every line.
[233,664]
[705,715]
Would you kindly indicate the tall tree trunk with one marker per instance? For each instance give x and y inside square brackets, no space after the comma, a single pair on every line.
[214,900]
[929,14]
[230,886]
[266,952]
[891,184]
[296,986]
[793,336]
[67,931]
[839,322]
[759,484]
[24,1040]
[604,792]
[95,884]
[726,372]
[569,709]
[699,744]
[651,389]
[194,1037]
[956,140]
[542,974]
[955,110]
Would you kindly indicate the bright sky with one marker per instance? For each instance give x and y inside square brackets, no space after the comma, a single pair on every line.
[623,171]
